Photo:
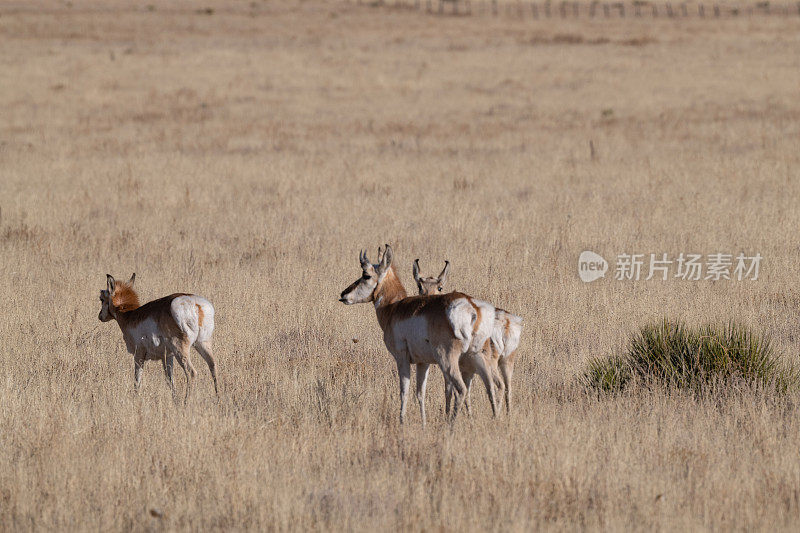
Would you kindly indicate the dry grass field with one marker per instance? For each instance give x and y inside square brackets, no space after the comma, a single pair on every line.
[247,151]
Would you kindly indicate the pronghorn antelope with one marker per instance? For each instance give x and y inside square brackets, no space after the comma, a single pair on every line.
[500,350]
[423,330]
[431,285]
[162,330]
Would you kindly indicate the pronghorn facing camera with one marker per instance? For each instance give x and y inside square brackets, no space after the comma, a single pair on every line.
[162,330]
[424,330]
[500,351]
[431,285]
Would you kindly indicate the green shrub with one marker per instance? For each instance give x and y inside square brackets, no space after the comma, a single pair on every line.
[671,354]
[608,375]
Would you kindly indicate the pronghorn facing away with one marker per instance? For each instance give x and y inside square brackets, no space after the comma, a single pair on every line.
[423,330]
[501,349]
[162,330]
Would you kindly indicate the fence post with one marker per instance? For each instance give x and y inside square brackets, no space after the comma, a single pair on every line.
[606,10]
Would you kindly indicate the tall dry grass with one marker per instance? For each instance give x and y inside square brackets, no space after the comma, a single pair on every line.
[248,154]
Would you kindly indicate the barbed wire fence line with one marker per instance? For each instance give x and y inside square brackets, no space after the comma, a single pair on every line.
[564,9]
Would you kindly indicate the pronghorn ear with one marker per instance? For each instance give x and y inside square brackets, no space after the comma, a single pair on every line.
[386,261]
[415,270]
[133,278]
[445,271]
[111,283]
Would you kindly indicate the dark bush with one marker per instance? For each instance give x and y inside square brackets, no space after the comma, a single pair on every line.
[671,354]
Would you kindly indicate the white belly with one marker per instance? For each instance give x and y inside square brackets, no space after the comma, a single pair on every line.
[412,334]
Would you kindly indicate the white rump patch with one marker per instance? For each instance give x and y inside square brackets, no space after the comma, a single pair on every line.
[485,327]
[462,316]
[507,341]
[187,315]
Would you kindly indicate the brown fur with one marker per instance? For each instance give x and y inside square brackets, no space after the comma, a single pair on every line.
[390,289]
[160,309]
[124,298]
[404,308]
[428,286]
[199,316]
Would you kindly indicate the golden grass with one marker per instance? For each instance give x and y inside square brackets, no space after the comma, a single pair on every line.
[248,154]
